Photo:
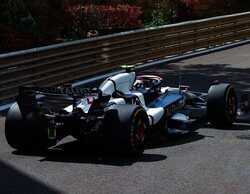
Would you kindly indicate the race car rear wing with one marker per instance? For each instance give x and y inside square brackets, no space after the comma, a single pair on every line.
[59,91]
[27,96]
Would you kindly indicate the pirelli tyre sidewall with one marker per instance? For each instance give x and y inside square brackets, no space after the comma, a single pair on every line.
[222,105]
[127,128]
[27,134]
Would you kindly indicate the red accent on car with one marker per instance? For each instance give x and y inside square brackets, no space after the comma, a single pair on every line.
[90,100]
[150,76]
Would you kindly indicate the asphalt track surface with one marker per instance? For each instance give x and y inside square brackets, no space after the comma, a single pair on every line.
[209,161]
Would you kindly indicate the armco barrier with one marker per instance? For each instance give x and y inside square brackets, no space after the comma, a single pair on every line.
[70,61]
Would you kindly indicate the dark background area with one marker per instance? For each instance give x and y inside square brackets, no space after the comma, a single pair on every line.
[27,24]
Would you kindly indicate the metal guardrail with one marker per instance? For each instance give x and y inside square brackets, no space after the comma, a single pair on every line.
[70,61]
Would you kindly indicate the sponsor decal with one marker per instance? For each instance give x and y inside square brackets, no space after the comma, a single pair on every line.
[171,109]
[59,91]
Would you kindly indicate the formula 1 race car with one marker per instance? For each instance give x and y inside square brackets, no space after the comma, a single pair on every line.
[122,113]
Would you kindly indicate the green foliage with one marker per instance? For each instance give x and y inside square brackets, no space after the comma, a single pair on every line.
[15,14]
[159,18]
[48,15]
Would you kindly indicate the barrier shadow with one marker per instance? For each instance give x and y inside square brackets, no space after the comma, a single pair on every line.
[13,181]
[199,76]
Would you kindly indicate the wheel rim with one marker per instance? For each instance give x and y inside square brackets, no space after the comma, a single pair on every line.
[140,132]
[232,105]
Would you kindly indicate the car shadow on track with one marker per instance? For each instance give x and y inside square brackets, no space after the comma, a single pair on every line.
[75,151]
[174,140]
[78,152]
[105,158]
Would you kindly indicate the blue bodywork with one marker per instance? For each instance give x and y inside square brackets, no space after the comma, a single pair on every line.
[166,100]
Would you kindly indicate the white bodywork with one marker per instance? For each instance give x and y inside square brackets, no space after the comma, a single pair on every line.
[122,82]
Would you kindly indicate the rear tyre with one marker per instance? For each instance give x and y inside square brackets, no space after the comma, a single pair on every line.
[222,105]
[127,128]
[27,134]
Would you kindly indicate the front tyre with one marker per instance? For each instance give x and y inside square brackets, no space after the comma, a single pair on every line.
[222,105]
[127,128]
